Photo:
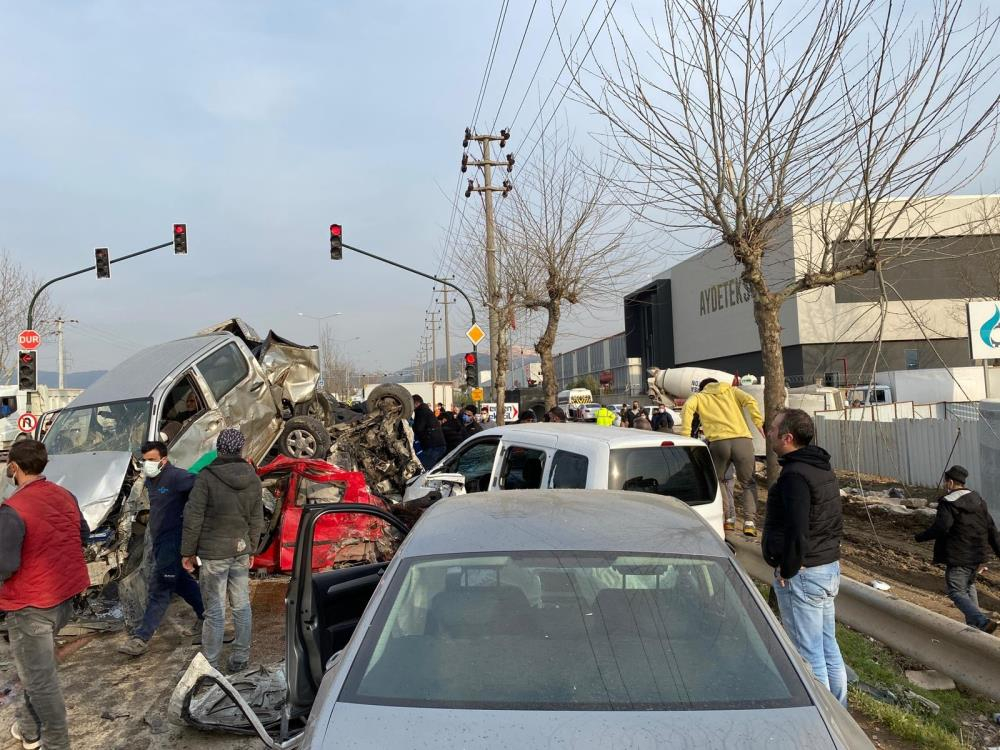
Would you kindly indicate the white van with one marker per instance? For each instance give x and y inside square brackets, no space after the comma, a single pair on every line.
[578,456]
[572,400]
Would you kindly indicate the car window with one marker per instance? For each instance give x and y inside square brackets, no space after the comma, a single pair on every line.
[475,463]
[569,471]
[223,369]
[522,468]
[118,426]
[182,405]
[684,472]
[571,630]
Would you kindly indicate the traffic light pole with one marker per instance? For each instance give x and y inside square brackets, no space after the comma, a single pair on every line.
[472,310]
[50,282]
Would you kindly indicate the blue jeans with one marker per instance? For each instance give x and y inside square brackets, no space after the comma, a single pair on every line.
[221,580]
[961,583]
[430,456]
[32,633]
[806,605]
[168,578]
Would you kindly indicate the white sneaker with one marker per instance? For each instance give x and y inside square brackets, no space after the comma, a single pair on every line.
[15,732]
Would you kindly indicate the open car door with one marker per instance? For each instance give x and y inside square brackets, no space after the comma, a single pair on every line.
[322,609]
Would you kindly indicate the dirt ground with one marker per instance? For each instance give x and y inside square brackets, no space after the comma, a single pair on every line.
[118,703]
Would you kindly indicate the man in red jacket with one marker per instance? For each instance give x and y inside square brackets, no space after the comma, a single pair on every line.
[42,534]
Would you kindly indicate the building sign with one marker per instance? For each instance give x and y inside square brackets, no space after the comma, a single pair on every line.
[984,329]
[721,296]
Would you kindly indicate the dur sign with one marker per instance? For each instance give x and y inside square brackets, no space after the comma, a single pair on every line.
[984,329]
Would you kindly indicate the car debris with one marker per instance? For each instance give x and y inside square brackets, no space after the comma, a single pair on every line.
[184,393]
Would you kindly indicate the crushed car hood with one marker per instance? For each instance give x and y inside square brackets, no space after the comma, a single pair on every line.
[95,479]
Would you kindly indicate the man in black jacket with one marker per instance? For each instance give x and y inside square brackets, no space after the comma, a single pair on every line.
[223,523]
[427,430]
[168,487]
[963,532]
[802,530]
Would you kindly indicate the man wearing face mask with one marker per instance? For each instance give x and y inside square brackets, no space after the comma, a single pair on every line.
[168,487]
[42,534]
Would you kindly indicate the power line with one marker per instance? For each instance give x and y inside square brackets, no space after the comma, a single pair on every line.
[541,59]
[489,64]
[590,47]
[514,66]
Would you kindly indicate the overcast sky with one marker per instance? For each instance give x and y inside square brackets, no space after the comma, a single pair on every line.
[257,124]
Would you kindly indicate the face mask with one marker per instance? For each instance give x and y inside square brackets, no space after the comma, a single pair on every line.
[466,417]
[11,477]
[151,468]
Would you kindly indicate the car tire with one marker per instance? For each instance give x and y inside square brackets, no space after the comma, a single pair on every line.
[304,437]
[317,408]
[392,396]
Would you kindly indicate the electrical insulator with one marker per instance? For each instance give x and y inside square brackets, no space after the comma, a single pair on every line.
[504,137]
[465,162]
[507,187]
[468,137]
[468,191]
[510,162]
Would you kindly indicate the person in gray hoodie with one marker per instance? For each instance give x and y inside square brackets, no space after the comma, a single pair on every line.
[223,522]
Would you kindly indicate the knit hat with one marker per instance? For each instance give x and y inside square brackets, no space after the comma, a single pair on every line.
[957,474]
[230,442]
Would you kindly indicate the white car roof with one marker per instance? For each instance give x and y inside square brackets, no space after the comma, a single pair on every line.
[612,437]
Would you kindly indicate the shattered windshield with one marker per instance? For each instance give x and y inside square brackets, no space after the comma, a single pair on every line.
[119,426]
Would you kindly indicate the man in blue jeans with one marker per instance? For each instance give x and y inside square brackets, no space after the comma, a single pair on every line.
[802,531]
[963,532]
[223,523]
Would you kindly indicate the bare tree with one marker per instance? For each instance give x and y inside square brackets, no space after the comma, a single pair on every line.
[16,289]
[336,366]
[566,241]
[744,122]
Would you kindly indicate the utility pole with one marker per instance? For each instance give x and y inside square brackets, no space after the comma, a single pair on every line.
[492,292]
[434,344]
[59,322]
[444,301]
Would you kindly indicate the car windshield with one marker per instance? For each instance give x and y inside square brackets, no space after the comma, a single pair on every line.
[684,472]
[571,631]
[119,426]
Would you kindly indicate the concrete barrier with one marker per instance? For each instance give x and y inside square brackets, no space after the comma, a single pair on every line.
[967,655]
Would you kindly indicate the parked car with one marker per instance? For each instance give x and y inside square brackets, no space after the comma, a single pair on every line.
[578,456]
[567,619]
[587,412]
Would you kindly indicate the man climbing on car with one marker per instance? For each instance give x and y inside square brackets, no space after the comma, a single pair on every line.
[719,407]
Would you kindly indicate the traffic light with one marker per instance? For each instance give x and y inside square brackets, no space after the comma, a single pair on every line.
[180,239]
[27,371]
[471,370]
[336,242]
[103,262]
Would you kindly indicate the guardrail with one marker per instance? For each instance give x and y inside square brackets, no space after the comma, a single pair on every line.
[969,656]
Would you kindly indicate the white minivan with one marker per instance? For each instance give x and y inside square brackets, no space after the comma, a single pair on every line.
[578,456]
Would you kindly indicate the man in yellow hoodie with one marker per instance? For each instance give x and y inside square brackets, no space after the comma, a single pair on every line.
[719,408]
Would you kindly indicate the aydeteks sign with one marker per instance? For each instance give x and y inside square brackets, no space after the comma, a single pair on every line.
[721,296]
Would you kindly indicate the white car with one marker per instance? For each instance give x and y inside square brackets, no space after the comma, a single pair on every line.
[578,456]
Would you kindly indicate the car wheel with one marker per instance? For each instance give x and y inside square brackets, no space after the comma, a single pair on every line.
[304,437]
[390,397]
[315,408]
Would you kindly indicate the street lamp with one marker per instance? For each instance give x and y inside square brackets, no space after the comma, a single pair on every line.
[319,333]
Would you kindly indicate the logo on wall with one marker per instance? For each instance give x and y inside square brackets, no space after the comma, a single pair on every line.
[990,330]
[984,329]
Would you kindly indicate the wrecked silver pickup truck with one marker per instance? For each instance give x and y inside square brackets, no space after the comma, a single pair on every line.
[185,392]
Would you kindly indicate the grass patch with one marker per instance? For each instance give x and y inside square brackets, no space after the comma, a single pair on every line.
[880,667]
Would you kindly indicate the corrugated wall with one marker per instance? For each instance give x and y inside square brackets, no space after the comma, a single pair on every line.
[914,451]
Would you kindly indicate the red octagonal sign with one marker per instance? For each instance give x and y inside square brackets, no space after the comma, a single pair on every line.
[28,339]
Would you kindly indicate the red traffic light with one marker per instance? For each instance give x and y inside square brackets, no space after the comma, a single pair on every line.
[335,230]
[470,359]
[180,228]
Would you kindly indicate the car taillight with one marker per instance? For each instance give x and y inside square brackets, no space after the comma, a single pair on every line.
[666,443]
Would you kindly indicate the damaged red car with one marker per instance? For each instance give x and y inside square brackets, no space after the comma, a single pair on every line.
[341,539]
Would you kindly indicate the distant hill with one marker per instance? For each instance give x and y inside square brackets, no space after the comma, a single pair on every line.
[73,379]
